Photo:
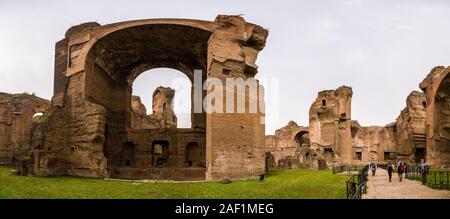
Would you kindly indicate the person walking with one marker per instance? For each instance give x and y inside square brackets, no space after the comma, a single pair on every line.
[400,170]
[373,167]
[390,169]
[423,167]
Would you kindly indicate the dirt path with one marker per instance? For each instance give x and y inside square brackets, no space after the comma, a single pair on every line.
[379,187]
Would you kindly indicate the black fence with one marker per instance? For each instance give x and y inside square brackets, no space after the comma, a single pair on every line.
[357,184]
[349,169]
[416,173]
[433,178]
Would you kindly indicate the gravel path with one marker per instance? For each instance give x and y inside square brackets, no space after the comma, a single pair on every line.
[379,187]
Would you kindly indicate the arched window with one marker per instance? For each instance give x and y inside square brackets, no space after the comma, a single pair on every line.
[127,155]
[160,153]
[154,101]
[194,155]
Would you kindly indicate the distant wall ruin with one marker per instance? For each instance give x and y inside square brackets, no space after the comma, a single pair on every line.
[18,113]
[414,137]
[162,114]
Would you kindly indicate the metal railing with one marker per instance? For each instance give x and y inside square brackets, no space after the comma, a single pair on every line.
[417,173]
[357,184]
[433,178]
[349,169]
[437,179]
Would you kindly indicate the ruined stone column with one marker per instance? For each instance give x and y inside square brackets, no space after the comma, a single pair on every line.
[231,55]
[344,119]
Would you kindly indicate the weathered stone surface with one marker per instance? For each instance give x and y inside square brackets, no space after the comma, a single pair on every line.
[163,106]
[162,116]
[18,113]
[410,136]
[331,128]
[138,107]
[436,87]
[289,147]
[330,124]
[370,143]
[95,126]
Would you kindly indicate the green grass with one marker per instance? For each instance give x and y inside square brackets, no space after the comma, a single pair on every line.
[299,183]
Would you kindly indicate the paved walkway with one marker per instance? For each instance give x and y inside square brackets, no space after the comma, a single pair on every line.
[379,187]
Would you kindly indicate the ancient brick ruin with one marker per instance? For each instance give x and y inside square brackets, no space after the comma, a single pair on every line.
[18,113]
[162,116]
[330,124]
[96,128]
[289,147]
[420,132]
[436,87]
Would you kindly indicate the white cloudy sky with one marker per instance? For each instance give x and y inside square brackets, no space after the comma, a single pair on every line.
[383,49]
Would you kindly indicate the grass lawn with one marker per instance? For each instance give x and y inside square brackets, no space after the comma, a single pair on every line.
[277,184]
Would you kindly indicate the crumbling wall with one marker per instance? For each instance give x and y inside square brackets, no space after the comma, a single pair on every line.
[410,128]
[290,147]
[162,116]
[436,87]
[360,143]
[403,139]
[235,141]
[163,107]
[18,113]
[330,123]
[92,115]
[370,142]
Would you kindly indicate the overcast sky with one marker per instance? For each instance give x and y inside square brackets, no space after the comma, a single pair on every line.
[382,49]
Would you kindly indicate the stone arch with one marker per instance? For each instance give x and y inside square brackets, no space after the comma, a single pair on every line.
[118,58]
[127,157]
[436,87]
[114,60]
[301,138]
[441,120]
[160,153]
[96,65]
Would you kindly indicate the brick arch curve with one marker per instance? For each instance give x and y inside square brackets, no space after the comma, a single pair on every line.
[95,65]
[436,87]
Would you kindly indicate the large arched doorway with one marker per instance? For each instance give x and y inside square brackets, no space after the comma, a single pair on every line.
[442,120]
[302,139]
[95,67]
[162,95]
[115,62]
[436,87]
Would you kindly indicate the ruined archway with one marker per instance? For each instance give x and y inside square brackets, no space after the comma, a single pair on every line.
[436,87]
[302,139]
[442,120]
[115,61]
[163,93]
[95,67]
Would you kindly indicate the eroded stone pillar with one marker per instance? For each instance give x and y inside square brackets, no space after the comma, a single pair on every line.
[344,95]
[235,141]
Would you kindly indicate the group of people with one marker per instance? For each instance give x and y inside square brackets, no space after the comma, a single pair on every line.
[401,168]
